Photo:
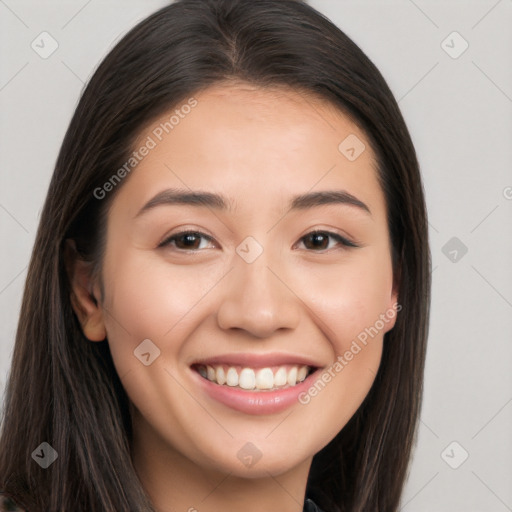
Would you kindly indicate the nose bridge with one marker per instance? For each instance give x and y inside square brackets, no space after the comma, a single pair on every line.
[256,299]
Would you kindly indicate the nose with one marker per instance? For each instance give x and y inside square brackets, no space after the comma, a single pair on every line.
[258,298]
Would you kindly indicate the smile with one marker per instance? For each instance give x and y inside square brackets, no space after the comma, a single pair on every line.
[262,379]
[255,384]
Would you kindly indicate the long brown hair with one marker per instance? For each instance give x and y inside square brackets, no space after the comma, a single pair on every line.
[64,390]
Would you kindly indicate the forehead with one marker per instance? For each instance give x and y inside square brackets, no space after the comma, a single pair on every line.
[262,143]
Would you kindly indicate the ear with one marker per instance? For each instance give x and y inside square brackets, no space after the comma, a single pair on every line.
[84,294]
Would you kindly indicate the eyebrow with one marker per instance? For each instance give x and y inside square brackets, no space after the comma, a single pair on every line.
[219,202]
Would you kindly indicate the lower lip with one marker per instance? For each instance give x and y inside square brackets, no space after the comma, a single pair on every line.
[254,402]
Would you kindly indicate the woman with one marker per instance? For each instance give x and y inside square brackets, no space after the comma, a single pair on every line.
[227,303]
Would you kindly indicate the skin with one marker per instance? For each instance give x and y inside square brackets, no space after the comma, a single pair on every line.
[259,147]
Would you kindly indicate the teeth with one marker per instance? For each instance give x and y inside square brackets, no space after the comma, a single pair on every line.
[265,379]
[280,377]
[248,378]
[302,373]
[292,376]
[220,375]
[232,377]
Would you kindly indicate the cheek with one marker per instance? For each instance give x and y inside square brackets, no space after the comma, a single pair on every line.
[151,299]
[347,298]
[347,305]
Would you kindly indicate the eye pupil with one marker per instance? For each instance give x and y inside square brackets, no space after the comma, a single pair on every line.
[189,239]
[322,239]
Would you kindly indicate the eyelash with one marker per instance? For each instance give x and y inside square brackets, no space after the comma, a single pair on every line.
[343,241]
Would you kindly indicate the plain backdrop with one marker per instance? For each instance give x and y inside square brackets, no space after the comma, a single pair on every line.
[449,65]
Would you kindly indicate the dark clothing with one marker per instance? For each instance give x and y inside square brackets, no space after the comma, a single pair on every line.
[311,506]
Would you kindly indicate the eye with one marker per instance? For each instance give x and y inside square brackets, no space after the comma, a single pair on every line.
[191,240]
[185,240]
[320,240]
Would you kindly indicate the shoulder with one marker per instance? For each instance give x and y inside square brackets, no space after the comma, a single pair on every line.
[8,504]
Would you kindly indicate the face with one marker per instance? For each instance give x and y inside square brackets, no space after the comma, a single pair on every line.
[280,278]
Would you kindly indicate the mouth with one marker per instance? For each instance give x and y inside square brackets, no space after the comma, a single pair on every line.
[255,383]
[251,378]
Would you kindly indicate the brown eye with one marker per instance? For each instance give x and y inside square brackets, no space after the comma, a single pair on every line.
[185,240]
[319,240]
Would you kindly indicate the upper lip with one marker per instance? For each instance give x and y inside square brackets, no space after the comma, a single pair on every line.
[254,360]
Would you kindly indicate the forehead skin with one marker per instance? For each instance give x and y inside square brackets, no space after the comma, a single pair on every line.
[233,139]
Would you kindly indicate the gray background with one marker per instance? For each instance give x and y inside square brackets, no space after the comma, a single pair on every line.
[458,108]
